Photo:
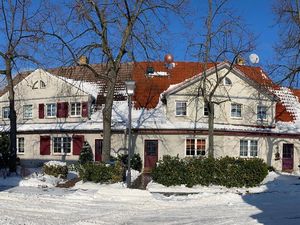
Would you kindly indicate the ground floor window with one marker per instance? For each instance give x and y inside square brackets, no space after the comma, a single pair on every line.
[20,145]
[248,148]
[62,144]
[194,147]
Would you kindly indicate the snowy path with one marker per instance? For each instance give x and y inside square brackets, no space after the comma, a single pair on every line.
[114,204]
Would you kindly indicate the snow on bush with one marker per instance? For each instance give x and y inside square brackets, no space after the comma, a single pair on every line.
[55,163]
[56,169]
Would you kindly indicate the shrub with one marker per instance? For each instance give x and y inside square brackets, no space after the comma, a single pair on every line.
[135,163]
[56,169]
[227,171]
[4,146]
[86,154]
[101,173]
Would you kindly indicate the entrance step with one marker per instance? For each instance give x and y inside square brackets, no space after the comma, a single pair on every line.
[142,181]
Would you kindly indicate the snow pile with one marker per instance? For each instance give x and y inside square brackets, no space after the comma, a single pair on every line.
[41,181]
[290,102]
[158,74]
[55,163]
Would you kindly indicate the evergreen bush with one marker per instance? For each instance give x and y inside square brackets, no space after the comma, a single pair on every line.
[101,173]
[4,147]
[135,163]
[56,169]
[227,171]
[86,154]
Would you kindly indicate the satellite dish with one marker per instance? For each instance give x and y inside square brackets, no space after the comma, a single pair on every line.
[254,58]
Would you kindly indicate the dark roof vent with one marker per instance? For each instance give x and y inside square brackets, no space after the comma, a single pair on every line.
[149,70]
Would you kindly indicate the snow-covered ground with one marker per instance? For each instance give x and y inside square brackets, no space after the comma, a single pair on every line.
[35,200]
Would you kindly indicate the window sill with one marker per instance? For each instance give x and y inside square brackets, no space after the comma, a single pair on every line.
[62,154]
[75,116]
[20,153]
[236,118]
[50,117]
[180,115]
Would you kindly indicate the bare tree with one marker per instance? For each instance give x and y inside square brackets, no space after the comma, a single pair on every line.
[16,46]
[225,39]
[111,32]
[288,47]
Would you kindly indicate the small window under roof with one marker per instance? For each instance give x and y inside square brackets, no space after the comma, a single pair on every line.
[227,81]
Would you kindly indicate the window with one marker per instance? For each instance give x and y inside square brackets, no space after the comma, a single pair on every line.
[227,81]
[35,85]
[261,112]
[180,108]
[20,145]
[51,110]
[248,148]
[205,110]
[236,110]
[27,111]
[195,147]
[62,145]
[42,84]
[75,109]
[5,112]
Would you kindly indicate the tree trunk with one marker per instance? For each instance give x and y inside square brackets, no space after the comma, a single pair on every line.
[12,118]
[107,113]
[211,120]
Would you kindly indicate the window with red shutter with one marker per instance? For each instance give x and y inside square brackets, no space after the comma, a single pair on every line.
[41,111]
[77,144]
[85,109]
[45,145]
[62,109]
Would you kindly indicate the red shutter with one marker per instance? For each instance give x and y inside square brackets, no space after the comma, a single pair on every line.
[45,145]
[77,144]
[62,109]
[41,111]
[85,109]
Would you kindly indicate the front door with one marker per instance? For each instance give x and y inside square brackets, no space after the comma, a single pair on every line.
[151,154]
[288,157]
[98,150]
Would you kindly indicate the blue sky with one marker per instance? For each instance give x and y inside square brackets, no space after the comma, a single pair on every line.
[257,15]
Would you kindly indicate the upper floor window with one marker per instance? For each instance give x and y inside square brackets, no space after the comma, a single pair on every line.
[248,148]
[62,144]
[42,84]
[181,108]
[39,84]
[194,147]
[5,112]
[35,85]
[261,112]
[205,110]
[75,108]
[27,111]
[51,110]
[227,81]
[236,110]
[20,145]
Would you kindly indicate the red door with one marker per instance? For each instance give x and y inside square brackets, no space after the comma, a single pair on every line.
[288,157]
[151,154]
[98,150]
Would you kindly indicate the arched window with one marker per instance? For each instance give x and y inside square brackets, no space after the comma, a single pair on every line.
[227,81]
[42,84]
[35,85]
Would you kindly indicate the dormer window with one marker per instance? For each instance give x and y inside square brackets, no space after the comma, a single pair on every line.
[227,81]
[39,84]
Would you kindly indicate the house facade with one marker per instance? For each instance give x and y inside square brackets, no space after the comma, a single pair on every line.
[58,111]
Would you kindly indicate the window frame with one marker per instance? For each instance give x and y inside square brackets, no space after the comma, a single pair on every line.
[227,83]
[22,147]
[177,108]
[42,84]
[77,111]
[197,143]
[205,106]
[248,148]
[31,112]
[55,112]
[61,145]
[241,110]
[257,113]
[4,112]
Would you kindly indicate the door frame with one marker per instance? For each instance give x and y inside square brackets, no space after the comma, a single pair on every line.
[150,157]
[290,160]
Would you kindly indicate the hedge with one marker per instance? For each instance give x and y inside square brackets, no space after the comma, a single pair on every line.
[227,171]
[56,169]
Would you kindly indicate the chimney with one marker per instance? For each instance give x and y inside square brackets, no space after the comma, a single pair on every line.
[240,61]
[83,60]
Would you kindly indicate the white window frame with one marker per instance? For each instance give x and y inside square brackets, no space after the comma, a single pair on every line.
[26,114]
[42,84]
[35,85]
[55,112]
[77,112]
[257,112]
[250,144]
[195,147]
[21,145]
[180,102]
[226,83]
[241,109]
[61,145]
[5,111]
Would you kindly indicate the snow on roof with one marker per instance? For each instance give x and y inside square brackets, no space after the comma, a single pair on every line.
[290,102]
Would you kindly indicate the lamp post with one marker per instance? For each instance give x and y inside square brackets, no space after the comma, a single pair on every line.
[130,86]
